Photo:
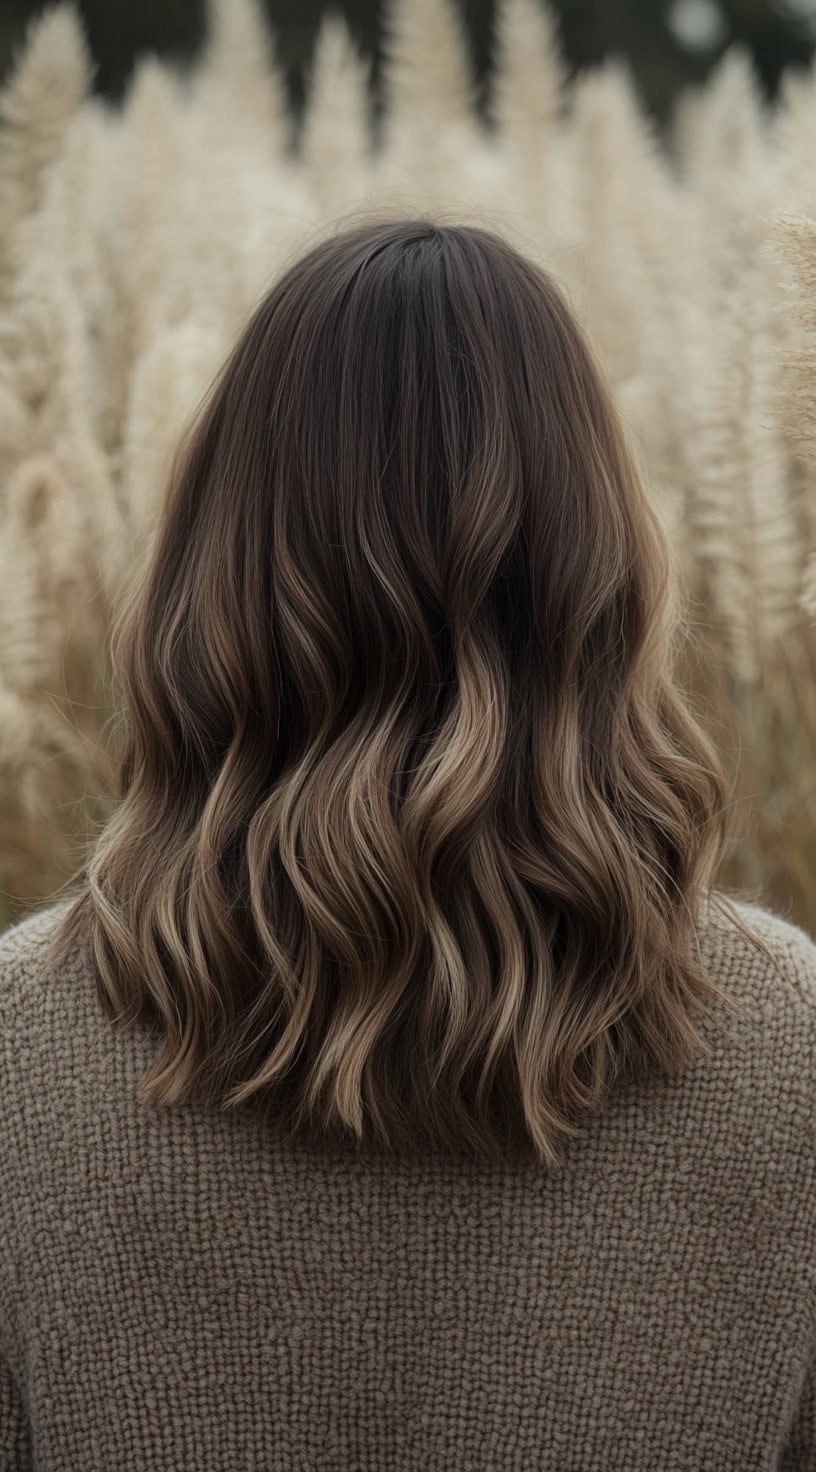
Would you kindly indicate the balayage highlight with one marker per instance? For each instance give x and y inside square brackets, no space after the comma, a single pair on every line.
[415,823]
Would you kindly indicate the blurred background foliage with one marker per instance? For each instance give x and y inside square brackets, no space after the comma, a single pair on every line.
[668,43]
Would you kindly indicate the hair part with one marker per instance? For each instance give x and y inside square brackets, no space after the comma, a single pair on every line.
[414,821]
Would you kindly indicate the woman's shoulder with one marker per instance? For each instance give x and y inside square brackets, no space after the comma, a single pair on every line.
[26,934]
[24,948]
[750,941]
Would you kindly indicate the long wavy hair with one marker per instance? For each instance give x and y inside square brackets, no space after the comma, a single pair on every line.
[415,821]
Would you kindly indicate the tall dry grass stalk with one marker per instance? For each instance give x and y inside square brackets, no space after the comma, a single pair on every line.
[136,240]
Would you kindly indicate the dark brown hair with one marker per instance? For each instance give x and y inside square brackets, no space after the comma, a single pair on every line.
[414,821]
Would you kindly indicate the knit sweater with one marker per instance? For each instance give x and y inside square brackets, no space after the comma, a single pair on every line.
[179,1291]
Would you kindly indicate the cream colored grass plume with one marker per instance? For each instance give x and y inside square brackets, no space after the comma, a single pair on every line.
[52,78]
[137,238]
[336,141]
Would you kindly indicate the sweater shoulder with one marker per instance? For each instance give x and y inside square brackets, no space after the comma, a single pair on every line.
[766,965]
[757,949]
[24,949]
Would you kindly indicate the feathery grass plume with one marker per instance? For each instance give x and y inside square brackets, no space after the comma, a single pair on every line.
[140,227]
[55,786]
[731,139]
[654,395]
[336,140]
[59,516]
[745,538]
[48,578]
[791,128]
[51,641]
[731,129]
[807,597]
[629,205]
[240,199]
[17,420]
[233,227]
[91,176]
[237,80]
[430,122]
[794,245]
[685,126]
[23,855]
[795,238]
[706,519]
[794,179]
[30,632]
[620,188]
[527,93]
[243,194]
[744,543]
[67,474]
[46,304]
[64,251]
[527,85]
[48,348]
[52,523]
[16,731]
[90,474]
[51,78]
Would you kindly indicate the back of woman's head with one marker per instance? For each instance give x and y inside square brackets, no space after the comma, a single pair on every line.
[414,820]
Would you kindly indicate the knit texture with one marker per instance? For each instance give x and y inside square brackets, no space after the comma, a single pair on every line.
[178,1290]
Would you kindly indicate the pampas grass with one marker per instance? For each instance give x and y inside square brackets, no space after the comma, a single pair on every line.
[137,238]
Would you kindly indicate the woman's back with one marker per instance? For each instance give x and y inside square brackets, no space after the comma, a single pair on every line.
[180,1289]
[449,1118]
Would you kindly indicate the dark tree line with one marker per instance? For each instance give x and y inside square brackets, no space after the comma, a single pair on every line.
[119,30]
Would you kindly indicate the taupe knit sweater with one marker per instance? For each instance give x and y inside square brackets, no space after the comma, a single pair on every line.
[179,1292]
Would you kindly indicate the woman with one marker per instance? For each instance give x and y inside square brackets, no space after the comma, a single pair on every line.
[394,1090]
